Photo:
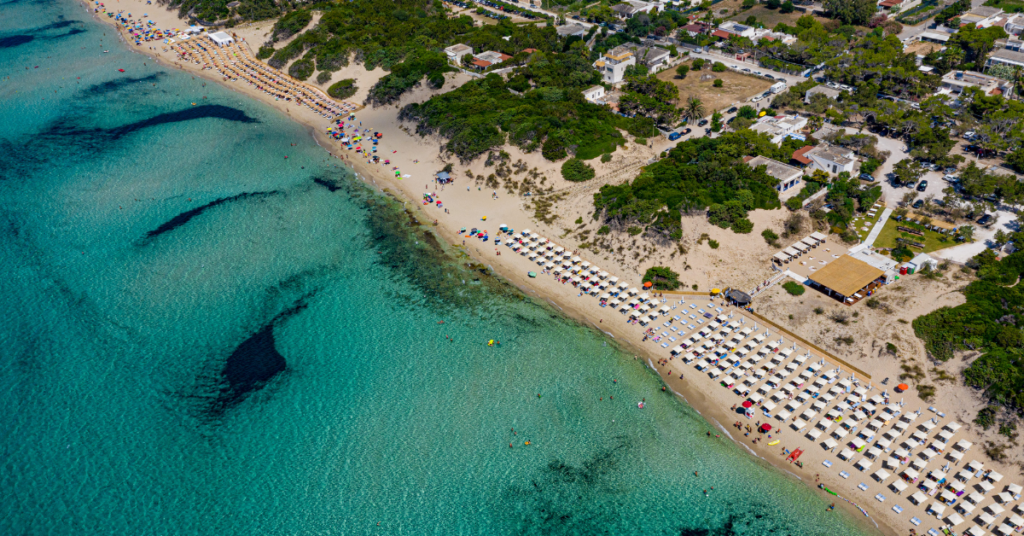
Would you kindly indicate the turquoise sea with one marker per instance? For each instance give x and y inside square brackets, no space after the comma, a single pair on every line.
[200,336]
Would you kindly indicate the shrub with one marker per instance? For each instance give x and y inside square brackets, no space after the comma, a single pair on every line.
[633,231]
[787,7]
[818,310]
[682,71]
[342,89]
[769,236]
[742,226]
[718,67]
[870,165]
[662,278]
[606,157]
[794,288]
[301,69]
[604,230]
[265,52]
[576,170]
[718,82]
[698,64]
[554,150]
[713,244]
[323,77]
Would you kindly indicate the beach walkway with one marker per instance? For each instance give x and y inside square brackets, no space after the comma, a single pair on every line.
[877,229]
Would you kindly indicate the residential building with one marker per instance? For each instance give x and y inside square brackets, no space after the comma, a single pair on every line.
[1010,43]
[654,58]
[594,94]
[631,8]
[571,30]
[613,64]
[456,52]
[981,16]
[821,90]
[769,35]
[1005,56]
[696,28]
[1014,25]
[787,175]
[896,6]
[779,127]
[735,28]
[828,158]
[939,35]
[956,81]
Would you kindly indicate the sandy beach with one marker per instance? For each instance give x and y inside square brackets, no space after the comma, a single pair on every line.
[742,261]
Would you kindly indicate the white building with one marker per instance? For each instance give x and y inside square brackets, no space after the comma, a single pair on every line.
[735,28]
[956,81]
[831,93]
[570,30]
[828,158]
[631,8]
[983,17]
[456,52]
[613,64]
[222,38]
[594,94]
[779,126]
[787,175]
[654,58]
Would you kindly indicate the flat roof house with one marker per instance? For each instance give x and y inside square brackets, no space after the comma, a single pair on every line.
[821,90]
[570,30]
[787,175]
[956,81]
[594,94]
[780,126]
[613,64]
[828,158]
[456,52]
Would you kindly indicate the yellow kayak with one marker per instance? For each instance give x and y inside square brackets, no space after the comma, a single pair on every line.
[773,443]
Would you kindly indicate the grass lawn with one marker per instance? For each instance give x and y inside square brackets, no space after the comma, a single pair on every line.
[866,221]
[769,17]
[1010,6]
[932,241]
[737,88]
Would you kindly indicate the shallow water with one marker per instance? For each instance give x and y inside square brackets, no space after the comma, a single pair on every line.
[203,337]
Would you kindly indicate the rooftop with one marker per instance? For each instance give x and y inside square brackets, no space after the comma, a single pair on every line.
[800,155]
[456,49]
[774,168]
[846,275]
[832,153]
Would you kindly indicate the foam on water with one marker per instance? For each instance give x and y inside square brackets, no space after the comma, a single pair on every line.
[202,337]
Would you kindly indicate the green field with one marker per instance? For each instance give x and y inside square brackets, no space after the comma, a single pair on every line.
[862,220]
[932,241]
[1009,6]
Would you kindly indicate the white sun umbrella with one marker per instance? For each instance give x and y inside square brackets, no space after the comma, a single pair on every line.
[1016,520]
[952,426]
[954,519]
[1005,529]
[967,507]
[911,473]
[976,531]
[585,265]
[947,495]
[898,485]
[830,443]
[928,484]
[623,286]
[986,518]
[1004,497]
[956,485]
[604,275]
[937,508]
[986,486]
[994,476]
[576,259]
[918,498]
[995,509]
[975,497]
[559,250]
[1014,488]
[882,475]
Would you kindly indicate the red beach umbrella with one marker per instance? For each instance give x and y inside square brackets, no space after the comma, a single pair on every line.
[648,284]
[747,403]
[766,427]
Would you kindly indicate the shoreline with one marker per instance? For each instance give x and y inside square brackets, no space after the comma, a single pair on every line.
[702,402]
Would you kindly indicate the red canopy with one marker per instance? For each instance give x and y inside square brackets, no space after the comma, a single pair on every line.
[766,427]
[747,403]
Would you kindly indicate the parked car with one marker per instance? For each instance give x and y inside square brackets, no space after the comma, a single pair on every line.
[866,177]
[918,204]
[985,220]
[732,110]
[951,178]
[922,186]
[674,136]
[686,131]
[702,122]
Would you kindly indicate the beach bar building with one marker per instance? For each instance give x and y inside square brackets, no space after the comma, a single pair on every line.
[222,38]
[847,279]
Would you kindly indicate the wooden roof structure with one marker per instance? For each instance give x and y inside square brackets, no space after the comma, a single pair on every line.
[846,275]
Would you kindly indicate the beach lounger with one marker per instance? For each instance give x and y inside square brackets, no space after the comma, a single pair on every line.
[844,474]
[897,508]
[880,497]
[915,521]
[862,486]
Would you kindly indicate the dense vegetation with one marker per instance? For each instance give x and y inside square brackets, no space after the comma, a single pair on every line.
[342,89]
[990,322]
[577,170]
[662,278]
[549,113]
[794,288]
[698,174]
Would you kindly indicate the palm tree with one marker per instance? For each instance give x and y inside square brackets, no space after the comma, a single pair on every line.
[694,109]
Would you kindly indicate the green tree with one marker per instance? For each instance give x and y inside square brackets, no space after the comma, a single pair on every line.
[576,170]
[718,67]
[718,82]
[856,12]
[662,278]
[694,110]
[682,71]
[907,171]
[787,7]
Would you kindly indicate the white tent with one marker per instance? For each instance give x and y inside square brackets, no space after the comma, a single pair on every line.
[918,498]
[976,531]
[954,519]
[830,443]
[898,485]
[882,475]
[937,508]
[221,38]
